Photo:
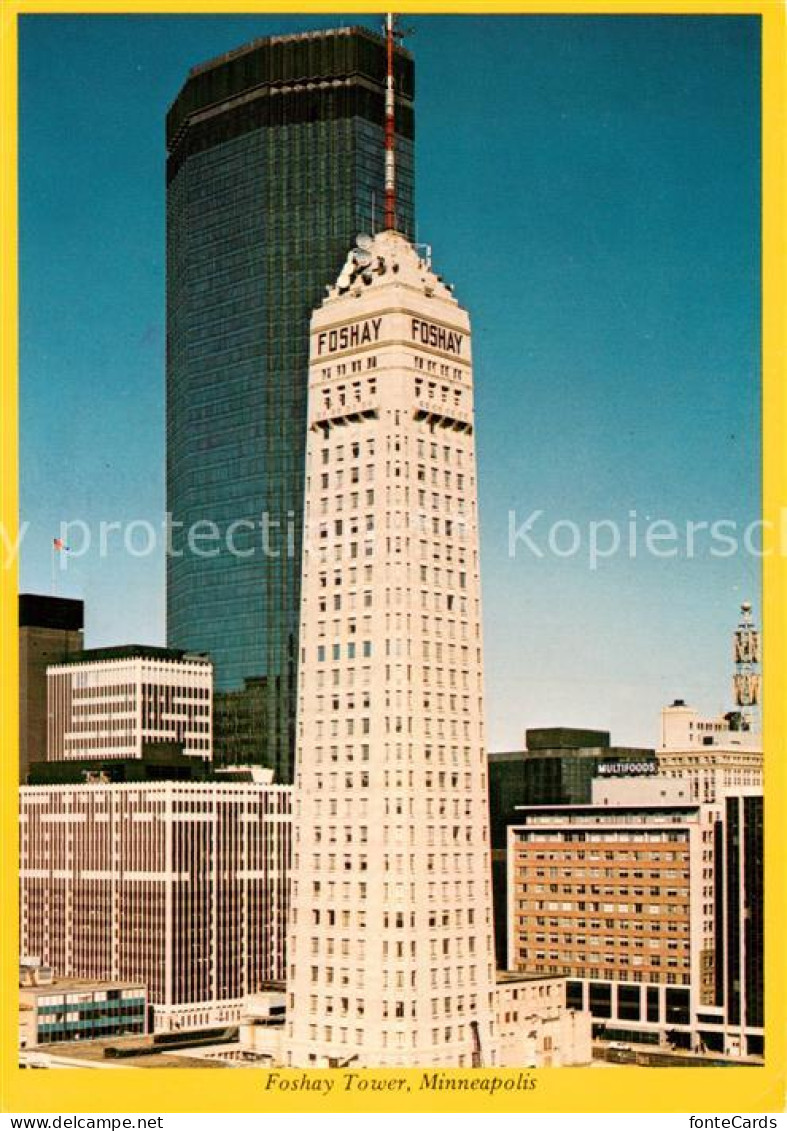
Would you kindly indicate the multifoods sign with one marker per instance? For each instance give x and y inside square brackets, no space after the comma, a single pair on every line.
[626,769]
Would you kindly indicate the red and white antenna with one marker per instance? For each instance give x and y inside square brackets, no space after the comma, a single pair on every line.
[390,127]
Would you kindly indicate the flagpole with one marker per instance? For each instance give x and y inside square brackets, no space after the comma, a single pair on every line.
[54,577]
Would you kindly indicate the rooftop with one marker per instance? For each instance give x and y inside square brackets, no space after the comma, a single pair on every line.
[585,753]
[507,977]
[39,611]
[573,738]
[293,63]
[294,37]
[83,985]
[387,259]
[612,813]
[134,652]
[93,1051]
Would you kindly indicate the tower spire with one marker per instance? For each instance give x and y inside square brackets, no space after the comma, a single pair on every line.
[746,681]
[390,126]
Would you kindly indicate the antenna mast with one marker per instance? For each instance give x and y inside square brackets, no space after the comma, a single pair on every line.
[390,128]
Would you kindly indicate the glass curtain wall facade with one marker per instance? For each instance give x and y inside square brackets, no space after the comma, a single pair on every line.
[739,920]
[275,164]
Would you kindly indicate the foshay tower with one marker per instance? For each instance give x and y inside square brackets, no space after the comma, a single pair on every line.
[390,951]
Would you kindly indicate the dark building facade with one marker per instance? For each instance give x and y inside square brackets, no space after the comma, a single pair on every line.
[163,761]
[50,631]
[239,718]
[557,767]
[275,164]
[739,921]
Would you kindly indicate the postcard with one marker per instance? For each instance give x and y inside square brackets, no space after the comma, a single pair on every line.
[393,561]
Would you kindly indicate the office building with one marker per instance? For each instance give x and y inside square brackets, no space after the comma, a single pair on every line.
[619,900]
[715,755]
[390,950]
[557,767]
[179,885]
[739,930]
[74,1009]
[275,163]
[50,630]
[115,703]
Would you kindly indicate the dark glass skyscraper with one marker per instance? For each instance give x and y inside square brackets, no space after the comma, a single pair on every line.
[275,163]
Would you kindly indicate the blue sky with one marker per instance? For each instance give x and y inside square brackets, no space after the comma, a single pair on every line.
[591,187]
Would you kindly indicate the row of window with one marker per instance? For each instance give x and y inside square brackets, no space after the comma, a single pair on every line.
[342,369]
[395,1039]
[343,395]
[579,944]
[458,891]
[583,905]
[568,855]
[346,678]
[452,974]
[653,961]
[360,448]
[398,495]
[351,651]
[345,1006]
[605,836]
[395,804]
[594,889]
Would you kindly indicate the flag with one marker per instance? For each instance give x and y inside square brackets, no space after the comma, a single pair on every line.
[59,544]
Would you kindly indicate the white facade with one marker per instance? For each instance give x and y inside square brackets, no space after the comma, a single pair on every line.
[182,885]
[111,708]
[708,754]
[656,790]
[683,728]
[390,956]
[536,1029]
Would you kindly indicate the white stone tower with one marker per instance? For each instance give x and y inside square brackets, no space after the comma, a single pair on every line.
[390,950]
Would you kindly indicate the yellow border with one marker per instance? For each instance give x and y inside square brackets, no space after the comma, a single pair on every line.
[560,1090]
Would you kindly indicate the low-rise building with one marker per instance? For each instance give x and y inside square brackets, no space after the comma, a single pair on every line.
[261,1031]
[75,1009]
[535,1027]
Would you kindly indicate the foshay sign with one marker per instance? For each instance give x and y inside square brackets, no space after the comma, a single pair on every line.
[346,337]
[430,334]
[367,332]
